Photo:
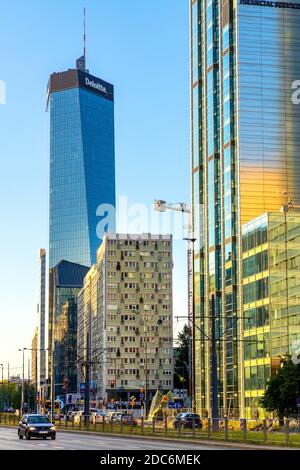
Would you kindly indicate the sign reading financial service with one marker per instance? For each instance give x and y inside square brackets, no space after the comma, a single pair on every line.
[273,4]
[96,85]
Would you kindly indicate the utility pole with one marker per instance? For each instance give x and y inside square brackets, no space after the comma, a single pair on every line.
[2,389]
[163,206]
[36,400]
[8,387]
[28,386]
[115,360]
[214,368]
[87,384]
[146,365]
[191,315]
[23,378]
[52,384]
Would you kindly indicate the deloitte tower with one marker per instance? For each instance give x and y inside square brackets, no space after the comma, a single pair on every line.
[82,163]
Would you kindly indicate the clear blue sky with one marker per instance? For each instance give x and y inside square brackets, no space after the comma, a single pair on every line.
[140,46]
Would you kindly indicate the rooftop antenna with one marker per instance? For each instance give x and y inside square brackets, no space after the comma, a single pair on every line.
[81,62]
[84,34]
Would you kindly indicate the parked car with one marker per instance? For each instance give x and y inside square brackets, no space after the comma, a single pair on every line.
[70,415]
[56,416]
[97,416]
[127,419]
[36,425]
[188,420]
[78,417]
[113,417]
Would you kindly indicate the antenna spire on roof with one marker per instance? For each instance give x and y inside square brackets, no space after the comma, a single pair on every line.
[84,33]
[81,62]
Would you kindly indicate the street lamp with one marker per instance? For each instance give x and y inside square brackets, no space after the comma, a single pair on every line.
[22,393]
[2,388]
[23,376]
[163,206]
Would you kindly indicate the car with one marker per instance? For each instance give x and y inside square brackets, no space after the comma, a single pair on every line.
[56,416]
[113,417]
[188,420]
[128,419]
[70,415]
[35,425]
[97,416]
[78,417]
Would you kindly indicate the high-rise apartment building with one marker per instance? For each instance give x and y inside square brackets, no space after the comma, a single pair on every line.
[82,163]
[125,317]
[245,147]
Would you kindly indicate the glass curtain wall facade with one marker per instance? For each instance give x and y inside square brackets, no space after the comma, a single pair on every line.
[271,299]
[82,164]
[65,281]
[244,141]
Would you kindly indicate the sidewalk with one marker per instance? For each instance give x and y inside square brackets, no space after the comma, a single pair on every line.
[210,442]
[206,442]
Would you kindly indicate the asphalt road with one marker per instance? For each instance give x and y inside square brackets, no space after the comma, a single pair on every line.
[73,441]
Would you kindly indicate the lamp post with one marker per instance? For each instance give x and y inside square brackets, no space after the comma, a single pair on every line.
[146,364]
[191,316]
[2,389]
[183,208]
[23,376]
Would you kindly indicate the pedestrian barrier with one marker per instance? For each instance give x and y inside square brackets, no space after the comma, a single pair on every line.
[253,431]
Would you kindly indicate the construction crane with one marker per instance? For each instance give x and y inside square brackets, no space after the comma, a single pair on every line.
[163,206]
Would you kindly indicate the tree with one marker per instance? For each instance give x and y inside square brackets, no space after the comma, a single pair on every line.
[181,368]
[283,389]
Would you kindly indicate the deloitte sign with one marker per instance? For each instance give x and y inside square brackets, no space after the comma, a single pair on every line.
[96,85]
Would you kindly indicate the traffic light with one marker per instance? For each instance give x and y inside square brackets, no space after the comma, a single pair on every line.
[112,384]
[65,385]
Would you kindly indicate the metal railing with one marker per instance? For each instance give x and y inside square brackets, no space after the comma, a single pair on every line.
[248,431]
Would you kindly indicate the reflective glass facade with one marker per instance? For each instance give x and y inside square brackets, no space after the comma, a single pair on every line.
[245,138]
[82,164]
[271,299]
[65,281]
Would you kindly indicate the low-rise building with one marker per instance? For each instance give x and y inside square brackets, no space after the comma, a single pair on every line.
[271,300]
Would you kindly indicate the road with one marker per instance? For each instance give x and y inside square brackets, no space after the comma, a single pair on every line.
[75,441]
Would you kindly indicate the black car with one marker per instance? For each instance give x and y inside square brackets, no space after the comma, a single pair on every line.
[36,426]
[188,420]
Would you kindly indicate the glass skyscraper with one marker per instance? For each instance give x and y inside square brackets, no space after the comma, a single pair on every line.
[82,163]
[245,151]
